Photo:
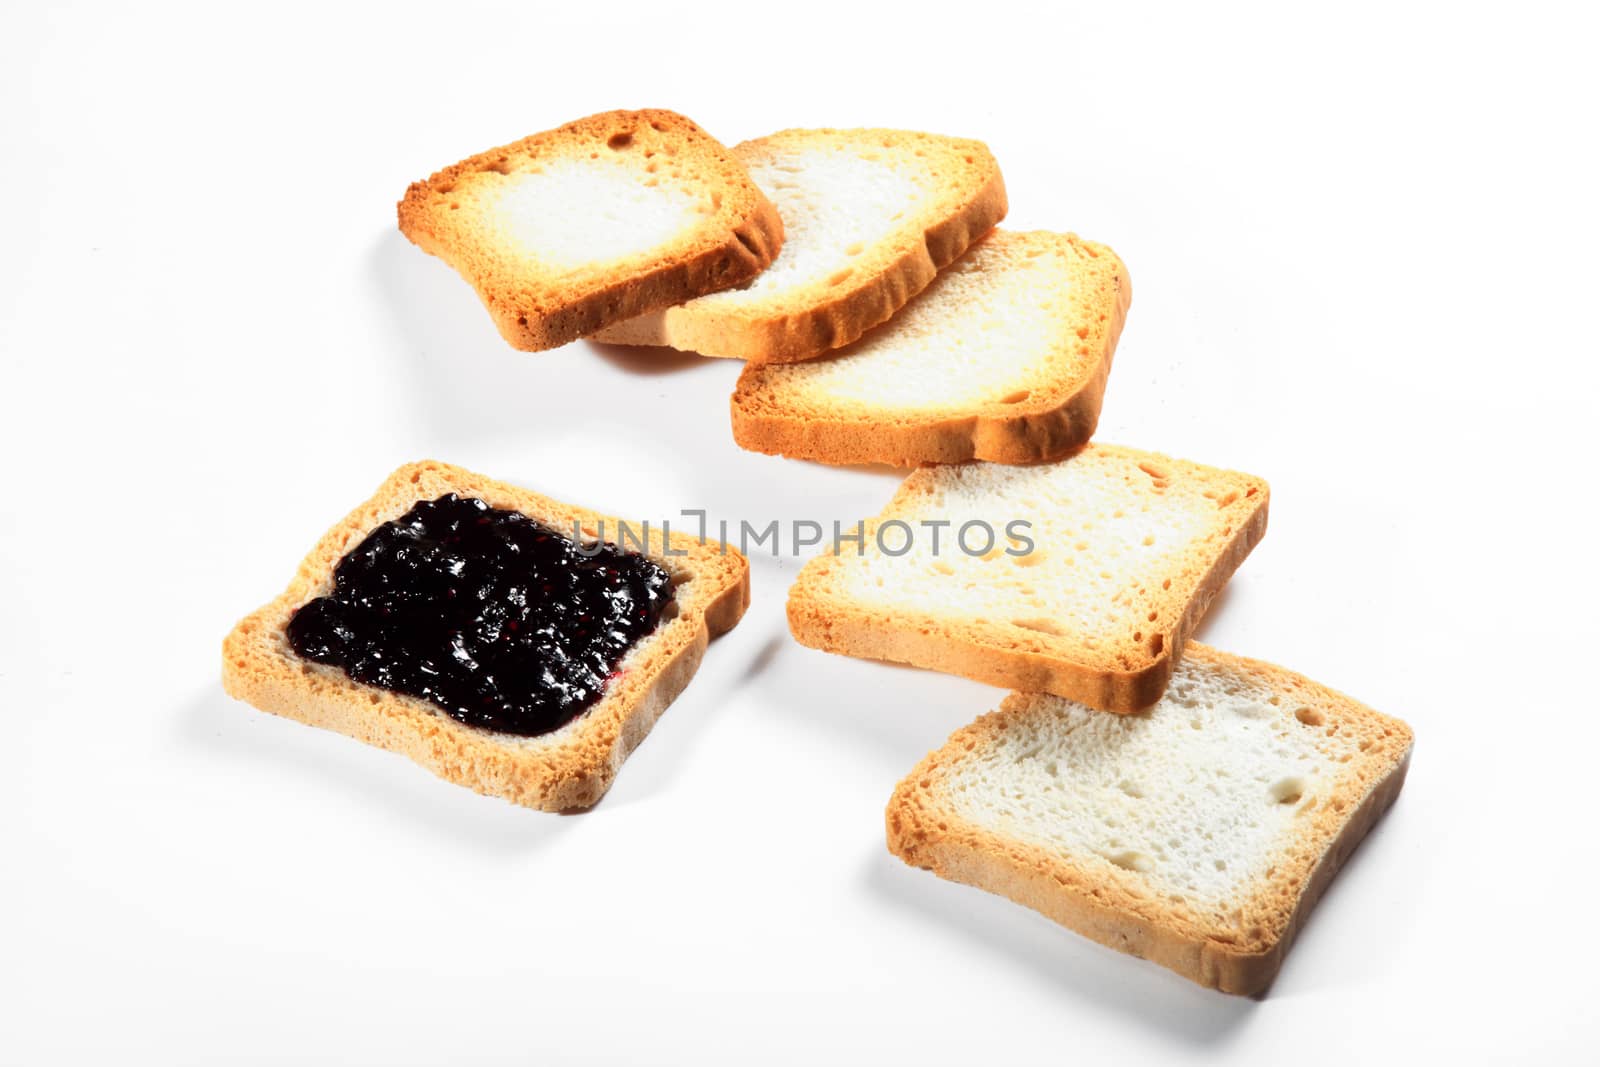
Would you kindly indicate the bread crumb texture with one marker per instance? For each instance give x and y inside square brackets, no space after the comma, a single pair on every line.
[601,220]
[568,769]
[1197,833]
[1128,549]
[1004,357]
[870,216]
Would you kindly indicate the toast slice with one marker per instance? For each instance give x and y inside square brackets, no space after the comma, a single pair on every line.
[1004,357]
[569,768]
[595,222]
[870,216]
[1082,578]
[1197,835]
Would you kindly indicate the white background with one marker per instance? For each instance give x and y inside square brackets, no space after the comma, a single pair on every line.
[1363,253]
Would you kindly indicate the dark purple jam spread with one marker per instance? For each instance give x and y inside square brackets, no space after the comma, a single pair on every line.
[497,619]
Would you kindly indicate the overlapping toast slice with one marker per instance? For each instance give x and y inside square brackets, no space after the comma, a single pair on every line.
[1082,578]
[570,767]
[1004,357]
[1198,834]
[869,216]
[595,222]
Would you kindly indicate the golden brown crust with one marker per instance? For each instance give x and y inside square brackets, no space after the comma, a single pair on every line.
[571,768]
[1112,906]
[831,316]
[985,651]
[1055,418]
[536,310]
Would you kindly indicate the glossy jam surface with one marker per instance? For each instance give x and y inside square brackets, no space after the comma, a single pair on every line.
[499,620]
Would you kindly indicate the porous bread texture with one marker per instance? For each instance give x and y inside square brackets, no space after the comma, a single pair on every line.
[568,769]
[870,216]
[1004,357]
[595,222]
[1198,834]
[1129,547]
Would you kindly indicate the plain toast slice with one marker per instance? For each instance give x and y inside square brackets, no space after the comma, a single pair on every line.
[1082,578]
[1198,834]
[570,768]
[1004,357]
[870,216]
[595,222]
